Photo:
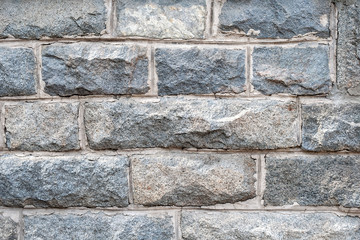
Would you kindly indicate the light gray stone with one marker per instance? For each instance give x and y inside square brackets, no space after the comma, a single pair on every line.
[192,123]
[192,179]
[298,71]
[42,126]
[17,72]
[268,226]
[91,226]
[46,18]
[93,68]
[200,71]
[8,228]
[331,127]
[68,181]
[276,18]
[179,19]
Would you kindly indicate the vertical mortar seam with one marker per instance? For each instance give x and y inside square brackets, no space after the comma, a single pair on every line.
[262,179]
[333,44]
[82,131]
[130,181]
[299,133]
[248,66]
[21,233]
[155,79]
[2,125]
[178,234]
[38,59]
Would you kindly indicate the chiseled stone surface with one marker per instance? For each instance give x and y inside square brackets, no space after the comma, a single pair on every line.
[331,127]
[200,71]
[298,71]
[193,179]
[8,228]
[17,71]
[179,19]
[192,123]
[66,181]
[348,48]
[276,18]
[42,126]
[130,226]
[320,180]
[46,18]
[268,226]
[94,68]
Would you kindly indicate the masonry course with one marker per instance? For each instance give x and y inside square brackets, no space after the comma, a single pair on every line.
[8,228]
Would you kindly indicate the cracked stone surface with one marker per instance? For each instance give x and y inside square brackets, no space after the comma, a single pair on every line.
[8,228]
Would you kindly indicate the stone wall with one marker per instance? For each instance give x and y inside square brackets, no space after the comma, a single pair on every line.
[180,119]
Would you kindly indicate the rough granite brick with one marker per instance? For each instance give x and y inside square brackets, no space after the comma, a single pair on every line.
[8,228]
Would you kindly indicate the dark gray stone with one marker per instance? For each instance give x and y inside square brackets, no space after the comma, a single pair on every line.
[17,72]
[91,226]
[180,19]
[193,179]
[330,127]
[298,71]
[200,71]
[69,181]
[268,226]
[42,126]
[192,123]
[92,68]
[8,228]
[47,18]
[276,18]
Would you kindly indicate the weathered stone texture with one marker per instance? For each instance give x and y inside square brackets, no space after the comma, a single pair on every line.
[99,226]
[200,123]
[179,19]
[42,126]
[17,71]
[268,226]
[93,68]
[276,18]
[8,228]
[298,71]
[69,181]
[348,49]
[193,179]
[200,71]
[331,127]
[320,180]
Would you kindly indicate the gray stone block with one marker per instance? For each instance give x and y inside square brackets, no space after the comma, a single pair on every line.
[93,68]
[276,18]
[331,127]
[268,225]
[193,179]
[179,19]
[17,72]
[8,228]
[46,18]
[200,71]
[42,126]
[192,123]
[68,181]
[298,71]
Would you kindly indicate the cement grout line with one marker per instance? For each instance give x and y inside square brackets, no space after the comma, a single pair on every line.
[261,180]
[333,45]
[2,126]
[178,235]
[82,131]
[21,226]
[130,182]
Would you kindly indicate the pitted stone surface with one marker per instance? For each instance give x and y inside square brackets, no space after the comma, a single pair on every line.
[331,127]
[179,19]
[8,228]
[200,71]
[17,71]
[46,18]
[42,126]
[94,68]
[193,179]
[68,181]
[298,71]
[276,18]
[186,123]
[268,226]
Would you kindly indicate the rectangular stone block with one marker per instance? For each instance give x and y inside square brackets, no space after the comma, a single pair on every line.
[46,18]
[276,18]
[192,123]
[179,19]
[99,226]
[192,179]
[200,71]
[331,127]
[42,126]
[8,228]
[17,72]
[297,71]
[268,225]
[64,181]
[94,68]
